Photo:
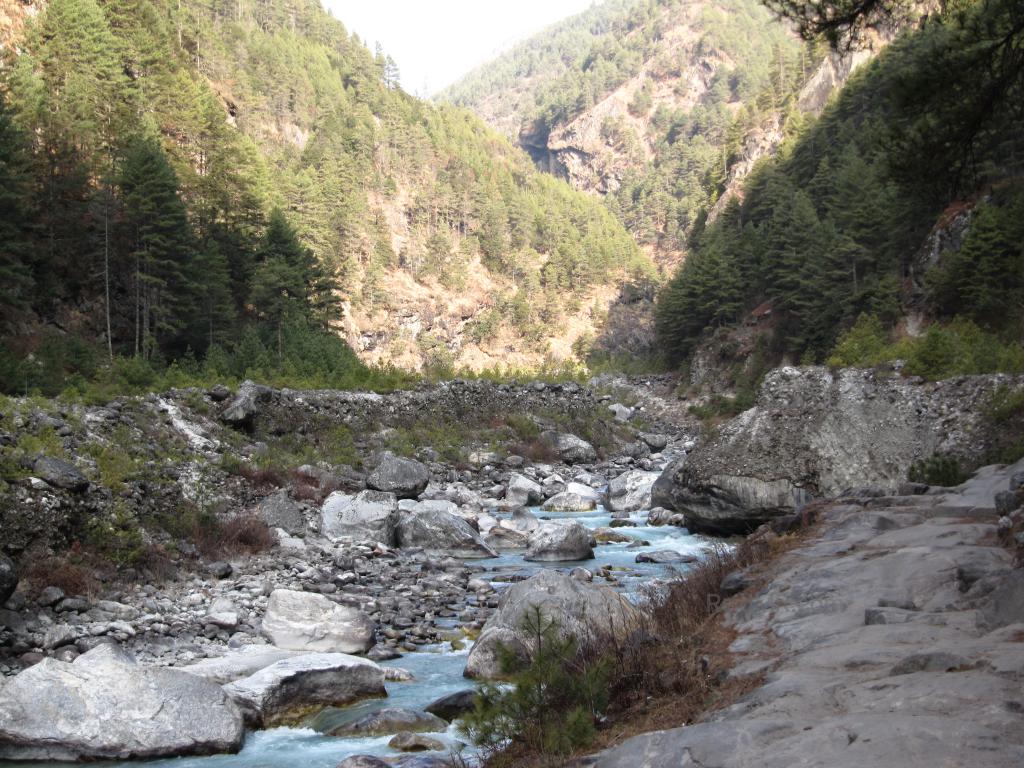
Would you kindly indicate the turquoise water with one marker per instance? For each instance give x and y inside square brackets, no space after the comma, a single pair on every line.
[438,669]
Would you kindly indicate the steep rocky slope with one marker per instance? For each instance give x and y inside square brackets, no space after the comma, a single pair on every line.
[664,106]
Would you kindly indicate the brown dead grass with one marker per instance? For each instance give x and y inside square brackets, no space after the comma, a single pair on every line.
[674,670]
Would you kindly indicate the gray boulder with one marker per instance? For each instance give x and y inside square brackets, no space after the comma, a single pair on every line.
[367,515]
[631,491]
[454,705]
[60,474]
[569,501]
[813,432]
[665,556]
[8,578]
[290,689]
[560,542]
[570,448]
[244,407]
[522,491]
[406,478]
[304,621]
[500,537]
[579,609]
[279,510]
[406,741]
[654,441]
[105,707]
[363,761]
[390,720]
[431,526]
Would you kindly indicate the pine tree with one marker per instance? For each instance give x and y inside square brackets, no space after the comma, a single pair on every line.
[15,217]
[160,245]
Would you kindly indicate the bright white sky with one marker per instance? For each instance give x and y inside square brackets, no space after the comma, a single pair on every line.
[434,42]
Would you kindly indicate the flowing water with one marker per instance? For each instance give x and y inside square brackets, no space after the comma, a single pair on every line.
[438,669]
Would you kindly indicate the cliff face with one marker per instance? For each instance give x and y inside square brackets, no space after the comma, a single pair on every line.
[817,432]
[664,107]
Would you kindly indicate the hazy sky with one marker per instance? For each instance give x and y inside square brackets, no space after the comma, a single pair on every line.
[435,41]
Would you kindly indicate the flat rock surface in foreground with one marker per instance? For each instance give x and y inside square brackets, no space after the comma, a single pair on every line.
[894,638]
[106,706]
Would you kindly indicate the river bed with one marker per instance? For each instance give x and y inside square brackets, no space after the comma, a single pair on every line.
[438,669]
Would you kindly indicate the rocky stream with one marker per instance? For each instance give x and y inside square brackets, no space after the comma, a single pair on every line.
[384,597]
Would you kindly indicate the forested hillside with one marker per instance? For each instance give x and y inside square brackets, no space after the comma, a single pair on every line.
[196,179]
[832,230]
[660,104]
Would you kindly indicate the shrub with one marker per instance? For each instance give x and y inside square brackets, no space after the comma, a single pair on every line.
[939,470]
[957,348]
[555,698]
[1004,415]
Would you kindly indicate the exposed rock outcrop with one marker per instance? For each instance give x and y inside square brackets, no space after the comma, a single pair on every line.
[60,474]
[570,448]
[8,578]
[579,609]
[366,515]
[104,706]
[631,491]
[815,432]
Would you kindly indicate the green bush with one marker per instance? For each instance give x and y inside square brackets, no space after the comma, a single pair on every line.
[939,470]
[1004,414]
[957,348]
[555,698]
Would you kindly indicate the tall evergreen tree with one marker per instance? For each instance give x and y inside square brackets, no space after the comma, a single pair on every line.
[160,246]
[15,217]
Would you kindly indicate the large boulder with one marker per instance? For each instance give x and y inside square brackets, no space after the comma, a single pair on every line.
[60,474]
[8,578]
[304,621]
[521,491]
[104,706]
[279,510]
[433,526]
[631,491]
[560,542]
[406,478]
[569,501]
[454,705]
[244,407]
[290,689]
[814,432]
[579,609]
[570,448]
[367,515]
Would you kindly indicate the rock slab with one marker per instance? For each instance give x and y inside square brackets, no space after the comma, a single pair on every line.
[104,706]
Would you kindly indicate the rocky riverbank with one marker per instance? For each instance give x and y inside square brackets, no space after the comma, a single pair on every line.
[894,636]
[285,546]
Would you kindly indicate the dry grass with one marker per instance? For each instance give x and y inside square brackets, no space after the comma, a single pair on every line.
[674,669]
[64,572]
[243,534]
